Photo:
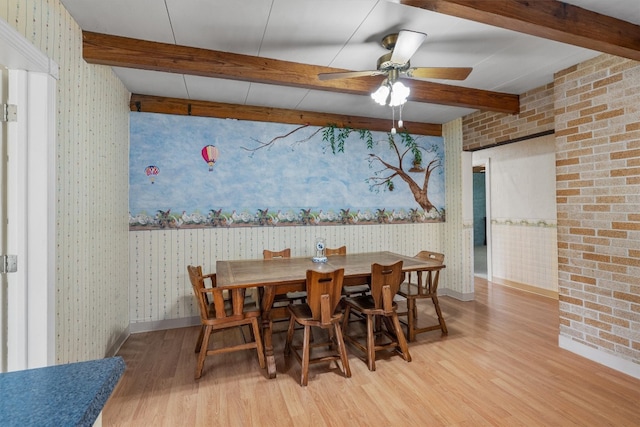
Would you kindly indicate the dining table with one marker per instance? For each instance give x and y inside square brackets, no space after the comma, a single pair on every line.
[282,275]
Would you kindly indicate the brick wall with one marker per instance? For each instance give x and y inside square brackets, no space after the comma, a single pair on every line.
[597,122]
[594,108]
[486,129]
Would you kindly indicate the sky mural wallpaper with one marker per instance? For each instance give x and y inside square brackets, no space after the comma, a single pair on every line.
[188,172]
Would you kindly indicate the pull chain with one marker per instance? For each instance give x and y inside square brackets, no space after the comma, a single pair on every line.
[393,120]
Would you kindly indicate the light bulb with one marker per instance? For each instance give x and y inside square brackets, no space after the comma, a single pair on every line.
[393,131]
[400,123]
[399,94]
[381,95]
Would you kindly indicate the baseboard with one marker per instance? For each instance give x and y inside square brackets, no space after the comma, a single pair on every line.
[599,356]
[115,347]
[528,288]
[159,325]
[462,296]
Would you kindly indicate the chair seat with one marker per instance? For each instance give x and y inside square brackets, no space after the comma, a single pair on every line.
[290,296]
[411,290]
[251,308]
[355,289]
[304,316]
[365,304]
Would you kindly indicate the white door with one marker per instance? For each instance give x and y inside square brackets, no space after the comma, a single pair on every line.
[3,223]
[27,171]
[12,233]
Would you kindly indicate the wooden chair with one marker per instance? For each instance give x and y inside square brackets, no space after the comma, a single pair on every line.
[419,289]
[217,314]
[342,250]
[285,253]
[320,310]
[385,281]
[348,290]
[281,301]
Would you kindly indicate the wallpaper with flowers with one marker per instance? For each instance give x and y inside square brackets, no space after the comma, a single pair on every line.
[195,172]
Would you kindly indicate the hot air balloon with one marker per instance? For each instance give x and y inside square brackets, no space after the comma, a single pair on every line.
[151,172]
[210,155]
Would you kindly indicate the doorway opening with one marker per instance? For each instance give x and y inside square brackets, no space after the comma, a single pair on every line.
[479,222]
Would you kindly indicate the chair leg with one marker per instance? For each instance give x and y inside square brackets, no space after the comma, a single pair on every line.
[203,351]
[342,350]
[411,318]
[443,325]
[345,319]
[371,344]
[332,338]
[199,342]
[257,337]
[402,341]
[306,344]
[290,330]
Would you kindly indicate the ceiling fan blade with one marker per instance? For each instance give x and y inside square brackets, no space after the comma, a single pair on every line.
[407,44]
[446,73]
[348,74]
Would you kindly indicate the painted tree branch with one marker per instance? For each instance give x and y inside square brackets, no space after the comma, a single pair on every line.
[279,137]
[336,138]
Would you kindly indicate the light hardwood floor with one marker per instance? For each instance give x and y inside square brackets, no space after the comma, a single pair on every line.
[500,365]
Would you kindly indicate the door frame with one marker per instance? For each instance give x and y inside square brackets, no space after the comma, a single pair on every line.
[31,199]
[487,193]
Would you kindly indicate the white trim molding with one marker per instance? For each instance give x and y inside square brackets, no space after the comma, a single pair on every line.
[18,53]
[610,360]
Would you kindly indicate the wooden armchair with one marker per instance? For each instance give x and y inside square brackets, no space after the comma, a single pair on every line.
[321,310]
[379,305]
[216,313]
[419,289]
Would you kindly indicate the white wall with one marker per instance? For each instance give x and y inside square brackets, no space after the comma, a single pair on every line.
[523,212]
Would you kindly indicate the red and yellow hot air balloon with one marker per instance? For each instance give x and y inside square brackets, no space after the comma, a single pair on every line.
[152,172]
[210,155]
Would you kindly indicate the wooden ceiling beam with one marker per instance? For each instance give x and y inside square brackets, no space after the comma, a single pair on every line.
[145,55]
[549,19]
[176,106]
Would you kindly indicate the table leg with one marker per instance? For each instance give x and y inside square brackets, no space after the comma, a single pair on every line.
[267,329]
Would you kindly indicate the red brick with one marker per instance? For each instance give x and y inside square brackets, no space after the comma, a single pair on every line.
[583,279]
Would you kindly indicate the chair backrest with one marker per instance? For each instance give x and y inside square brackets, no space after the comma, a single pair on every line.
[385,282]
[220,309]
[285,253]
[342,250]
[431,255]
[324,290]
[197,284]
[430,285]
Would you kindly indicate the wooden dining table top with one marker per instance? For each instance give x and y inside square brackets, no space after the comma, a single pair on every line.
[281,271]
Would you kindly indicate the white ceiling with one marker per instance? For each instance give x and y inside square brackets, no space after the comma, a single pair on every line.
[335,33]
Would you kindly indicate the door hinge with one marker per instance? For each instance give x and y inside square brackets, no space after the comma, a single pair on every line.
[8,263]
[9,113]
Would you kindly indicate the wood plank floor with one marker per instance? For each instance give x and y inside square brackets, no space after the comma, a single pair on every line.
[500,365]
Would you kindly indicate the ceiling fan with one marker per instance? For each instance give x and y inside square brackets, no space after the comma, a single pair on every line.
[396,64]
